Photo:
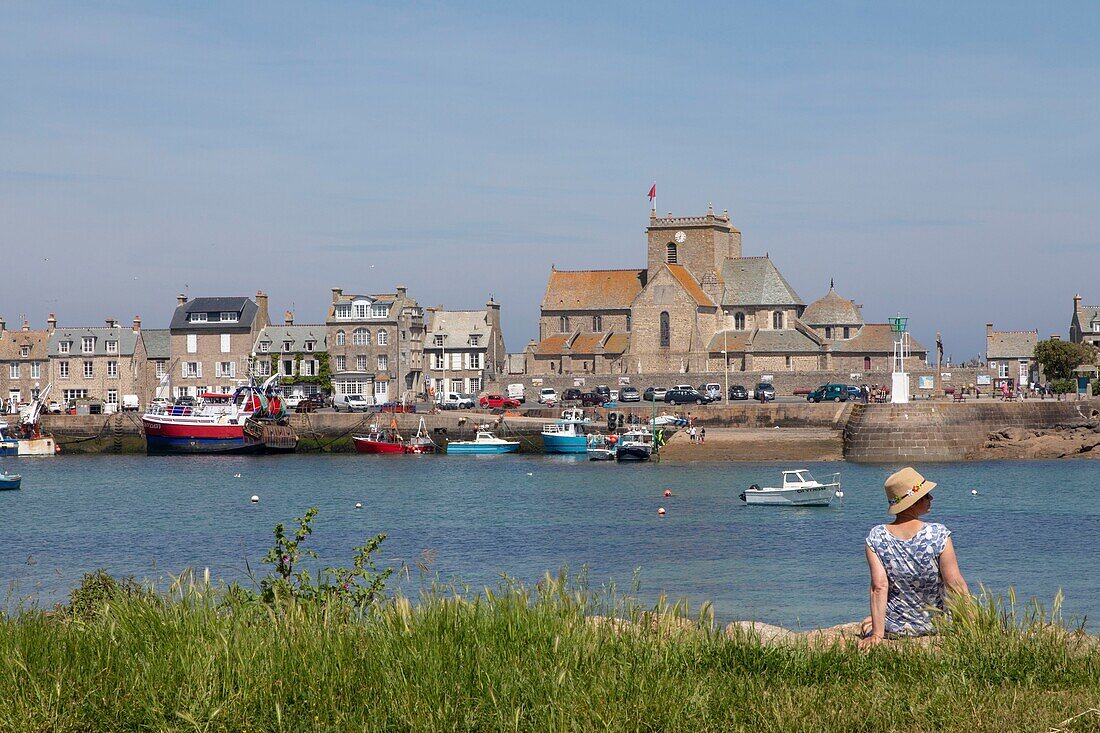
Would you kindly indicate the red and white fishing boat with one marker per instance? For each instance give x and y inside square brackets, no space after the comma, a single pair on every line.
[389,440]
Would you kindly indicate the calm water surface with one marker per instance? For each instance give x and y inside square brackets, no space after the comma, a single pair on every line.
[1030,526]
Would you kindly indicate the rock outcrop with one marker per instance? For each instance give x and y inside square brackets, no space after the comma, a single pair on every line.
[1071,440]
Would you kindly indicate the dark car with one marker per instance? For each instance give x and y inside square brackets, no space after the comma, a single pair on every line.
[829,393]
[765,392]
[604,391]
[591,399]
[186,400]
[571,394]
[654,394]
[686,396]
[738,392]
[629,394]
[306,404]
[854,393]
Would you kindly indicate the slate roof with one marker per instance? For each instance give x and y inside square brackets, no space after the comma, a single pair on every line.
[1088,314]
[875,338]
[756,281]
[297,336]
[787,340]
[245,308]
[158,343]
[13,341]
[592,289]
[733,341]
[690,284]
[1011,344]
[457,326]
[126,337]
[832,310]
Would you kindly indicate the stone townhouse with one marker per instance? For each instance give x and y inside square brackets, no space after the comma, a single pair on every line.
[97,362]
[24,361]
[158,362]
[1010,356]
[464,349]
[212,340]
[376,345]
[298,352]
[700,305]
[1084,325]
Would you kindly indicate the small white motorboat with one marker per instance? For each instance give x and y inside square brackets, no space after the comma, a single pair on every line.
[484,443]
[799,489]
[634,445]
[601,447]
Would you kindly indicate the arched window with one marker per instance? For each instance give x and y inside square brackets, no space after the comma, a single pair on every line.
[828,332]
[666,336]
[670,254]
[597,323]
[564,324]
[360,336]
[867,363]
[846,332]
[739,321]
[383,338]
[340,338]
[777,320]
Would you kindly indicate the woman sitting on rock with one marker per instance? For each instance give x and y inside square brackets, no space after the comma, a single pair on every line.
[912,564]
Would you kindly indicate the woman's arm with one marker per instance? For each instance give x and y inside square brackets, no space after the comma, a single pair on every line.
[880,584]
[950,573]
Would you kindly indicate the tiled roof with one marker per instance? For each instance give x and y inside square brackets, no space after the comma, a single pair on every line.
[729,340]
[1011,344]
[592,289]
[756,281]
[158,343]
[1087,315]
[297,336]
[13,341]
[552,344]
[586,343]
[875,338]
[126,338]
[832,310]
[245,308]
[690,285]
[616,343]
[788,340]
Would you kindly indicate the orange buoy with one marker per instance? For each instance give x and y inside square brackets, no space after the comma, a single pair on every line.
[668,493]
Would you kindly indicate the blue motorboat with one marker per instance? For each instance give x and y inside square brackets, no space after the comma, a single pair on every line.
[484,443]
[9,481]
[566,435]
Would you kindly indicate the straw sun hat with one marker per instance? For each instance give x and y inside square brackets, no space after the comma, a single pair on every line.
[905,487]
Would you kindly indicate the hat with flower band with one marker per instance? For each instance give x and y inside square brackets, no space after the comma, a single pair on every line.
[905,487]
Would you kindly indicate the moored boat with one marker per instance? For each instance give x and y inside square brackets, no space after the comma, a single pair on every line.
[799,489]
[380,441]
[634,445]
[9,481]
[27,438]
[484,443]
[601,447]
[566,435]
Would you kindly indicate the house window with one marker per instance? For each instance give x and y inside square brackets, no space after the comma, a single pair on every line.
[777,319]
[360,337]
[341,363]
[198,318]
[378,311]
[866,363]
[225,344]
[437,361]
[36,370]
[73,394]
[475,385]
[788,362]
[477,360]
[597,323]
[438,341]
[361,363]
[288,367]
[192,343]
[287,346]
[828,332]
[309,368]
[846,332]
[228,317]
[112,397]
[64,346]
[162,368]
[383,338]
[112,347]
[739,321]
[360,310]
[311,345]
[404,357]
[383,362]
[563,323]
[456,360]
[63,369]
[192,369]
[112,369]
[225,369]
[475,339]
[263,368]
[341,338]
[265,346]
[343,311]
[87,344]
[666,336]
[24,351]
[89,369]
[13,370]
[381,389]
[670,253]
[1002,369]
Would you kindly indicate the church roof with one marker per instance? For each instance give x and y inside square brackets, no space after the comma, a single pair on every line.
[1011,344]
[584,343]
[592,289]
[552,344]
[756,281]
[729,340]
[832,310]
[785,340]
[690,284]
[875,338]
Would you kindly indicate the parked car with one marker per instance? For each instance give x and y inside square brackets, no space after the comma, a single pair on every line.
[455,401]
[517,392]
[712,390]
[130,403]
[160,402]
[854,393]
[829,393]
[293,400]
[498,402]
[604,390]
[591,399]
[571,394]
[54,407]
[680,396]
[765,392]
[548,396]
[317,400]
[738,392]
[654,394]
[305,404]
[629,394]
[186,401]
[350,403]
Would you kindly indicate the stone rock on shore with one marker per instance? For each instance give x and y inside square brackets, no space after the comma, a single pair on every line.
[1075,440]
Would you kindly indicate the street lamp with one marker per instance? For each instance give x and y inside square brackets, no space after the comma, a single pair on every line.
[726,359]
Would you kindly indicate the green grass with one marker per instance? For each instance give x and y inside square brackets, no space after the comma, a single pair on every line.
[513,658]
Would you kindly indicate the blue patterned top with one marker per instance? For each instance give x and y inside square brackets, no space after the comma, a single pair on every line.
[913,569]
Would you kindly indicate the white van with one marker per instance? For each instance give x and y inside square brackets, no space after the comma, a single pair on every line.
[517,392]
[350,403]
[548,396]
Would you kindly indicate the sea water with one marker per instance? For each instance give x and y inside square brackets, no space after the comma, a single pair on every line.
[470,519]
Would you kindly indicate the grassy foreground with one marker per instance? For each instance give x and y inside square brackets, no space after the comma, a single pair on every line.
[512,658]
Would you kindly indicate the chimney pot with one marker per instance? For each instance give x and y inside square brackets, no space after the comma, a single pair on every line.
[402,291]
[137,323]
[181,298]
[111,322]
[288,318]
[51,322]
[337,292]
[3,325]
[989,329]
[26,325]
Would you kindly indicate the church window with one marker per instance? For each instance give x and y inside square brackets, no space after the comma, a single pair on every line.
[670,254]
[788,362]
[597,323]
[627,321]
[666,336]
[867,363]
[828,332]
[846,332]
[739,321]
[777,319]
[564,324]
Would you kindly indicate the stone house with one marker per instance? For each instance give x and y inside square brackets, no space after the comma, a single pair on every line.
[376,345]
[1010,356]
[1084,324]
[464,349]
[212,340]
[98,362]
[298,352]
[158,360]
[24,361]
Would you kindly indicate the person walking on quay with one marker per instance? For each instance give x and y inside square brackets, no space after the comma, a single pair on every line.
[691,433]
[702,435]
[912,563]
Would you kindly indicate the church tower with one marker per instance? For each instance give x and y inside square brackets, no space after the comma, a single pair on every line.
[699,243]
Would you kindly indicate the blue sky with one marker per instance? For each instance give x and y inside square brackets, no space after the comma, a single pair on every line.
[935,159]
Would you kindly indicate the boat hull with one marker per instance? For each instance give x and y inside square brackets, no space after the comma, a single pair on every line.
[10,483]
[9,447]
[789,497]
[601,454]
[633,453]
[481,449]
[171,438]
[375,447]
[44,446]
[564,443]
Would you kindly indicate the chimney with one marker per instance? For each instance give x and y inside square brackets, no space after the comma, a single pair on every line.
[26,325]
[137,324]
[51,322]
[1077,303]
[402,291]
[261,303]
[336,293]
[1055,337]
[988,330]
[181,298]
[288,318]
[3,325]
[111,323]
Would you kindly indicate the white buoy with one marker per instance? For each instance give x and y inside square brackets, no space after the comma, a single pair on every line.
[839,494]
[660,511]
[530,474]
[236,475]
[255,499]
[974,492]
[358,505]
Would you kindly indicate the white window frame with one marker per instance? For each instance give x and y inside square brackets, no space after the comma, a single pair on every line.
[383,338]
[361,310]
[341,363]
[265,346]
[36,370]
[63,369]
[342,310]
[162,368]
[192,343]
[379,311]
[226,343]
[191,369]
[87,344]
[438,340]
[283,367]
[383,363]
[112,369]
[13,370]
[225,369]
[63,347]
[111,346]
[360,337]
[437,361]
[310,345]
[112,397]
[361,363]
[228,317]
[197,317]
[263,368]
[475,385]
[89,369]
[24,351]
[341,337]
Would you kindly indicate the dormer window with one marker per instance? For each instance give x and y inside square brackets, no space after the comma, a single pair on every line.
[112,347]
[475,339]
[24,351]
[229,316]
[438,341]
[310,345]
[378,311]
[265,346]
[360,310]
[828,332]
[343,310]
[287,345]
[198,318]
[87,344]
[777,320]
[63,347]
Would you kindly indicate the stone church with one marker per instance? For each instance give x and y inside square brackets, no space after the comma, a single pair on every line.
[698,301]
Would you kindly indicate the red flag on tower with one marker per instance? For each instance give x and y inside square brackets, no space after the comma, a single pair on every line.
[653,196]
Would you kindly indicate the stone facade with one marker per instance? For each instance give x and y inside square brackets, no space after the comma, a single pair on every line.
[1010,357]
[211,340]
[24,361]
[1084,324]
[464,350]
[297,352]
[100,363]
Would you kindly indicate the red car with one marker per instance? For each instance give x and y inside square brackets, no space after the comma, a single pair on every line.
[496,401]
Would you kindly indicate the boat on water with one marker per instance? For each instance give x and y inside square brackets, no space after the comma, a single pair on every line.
[566,435]
[484,443]
[10,481]
[601,447]
[27,438]
[390,440]
[250,420]
[799,489]
[634,445]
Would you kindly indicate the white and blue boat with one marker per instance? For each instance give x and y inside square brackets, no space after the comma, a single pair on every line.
[35,445]
[634,445]
[566,435]
[485,443]
[9,481]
